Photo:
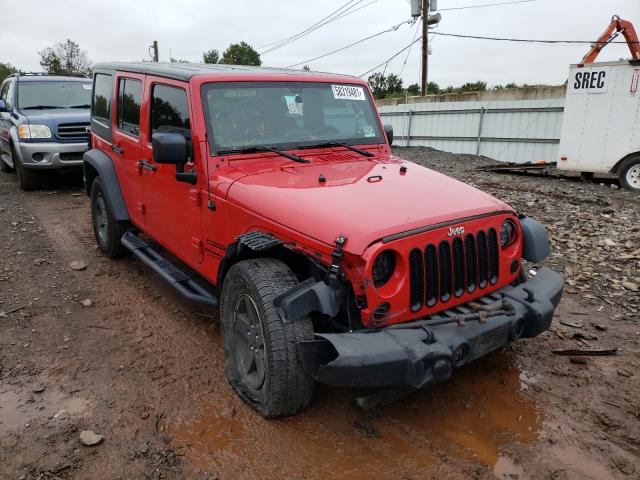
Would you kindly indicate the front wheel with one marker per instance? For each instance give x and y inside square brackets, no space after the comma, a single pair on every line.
[107,229]
[27,179]
[261,353]
[629,173]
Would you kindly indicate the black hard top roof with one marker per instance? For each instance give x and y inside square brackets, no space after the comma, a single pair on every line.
[186,71]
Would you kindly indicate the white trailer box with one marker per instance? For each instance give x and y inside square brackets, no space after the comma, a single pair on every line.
[601,121]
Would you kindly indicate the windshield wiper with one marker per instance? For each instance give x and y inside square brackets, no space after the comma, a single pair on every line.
[80,106]
[290,156]
[339,144]
[38,107]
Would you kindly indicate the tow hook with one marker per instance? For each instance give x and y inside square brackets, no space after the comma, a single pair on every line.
[530,298]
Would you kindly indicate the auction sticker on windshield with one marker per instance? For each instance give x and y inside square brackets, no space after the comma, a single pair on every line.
[347,92]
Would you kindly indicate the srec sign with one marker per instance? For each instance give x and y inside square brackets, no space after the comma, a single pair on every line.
[591,81]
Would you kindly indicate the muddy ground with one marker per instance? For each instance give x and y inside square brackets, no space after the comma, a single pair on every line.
[113,349]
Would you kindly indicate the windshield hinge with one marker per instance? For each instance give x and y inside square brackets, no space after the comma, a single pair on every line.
[336,257]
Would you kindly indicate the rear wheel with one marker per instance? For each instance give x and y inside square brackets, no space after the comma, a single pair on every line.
[261,353]
[27,179]
[107,229]
[629,173]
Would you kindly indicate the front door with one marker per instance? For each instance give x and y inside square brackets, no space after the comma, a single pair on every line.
[173,208]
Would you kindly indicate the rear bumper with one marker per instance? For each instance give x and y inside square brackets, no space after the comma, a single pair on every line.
[51,155]
[420,353]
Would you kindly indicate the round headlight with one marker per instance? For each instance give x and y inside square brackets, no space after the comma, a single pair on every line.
[383,267]
[508,233]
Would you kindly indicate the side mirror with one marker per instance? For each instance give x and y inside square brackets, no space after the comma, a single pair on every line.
[169,148]
[3,106]
[388,130]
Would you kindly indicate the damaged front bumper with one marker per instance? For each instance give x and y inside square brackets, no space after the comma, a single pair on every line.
[427,351]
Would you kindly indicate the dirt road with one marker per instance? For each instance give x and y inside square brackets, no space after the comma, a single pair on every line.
[112,349]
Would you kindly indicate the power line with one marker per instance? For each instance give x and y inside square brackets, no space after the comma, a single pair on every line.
[522,40]
[392,29]
[335,15]
[308,28]
[410,46]
[391,57]
[485,5]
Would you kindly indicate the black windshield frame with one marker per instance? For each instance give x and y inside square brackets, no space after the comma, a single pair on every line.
[378,139]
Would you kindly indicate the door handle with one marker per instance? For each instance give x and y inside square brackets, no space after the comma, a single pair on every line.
[117,149]
[146,165]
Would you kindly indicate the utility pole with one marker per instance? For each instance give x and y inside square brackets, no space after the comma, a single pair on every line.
[154,49]
[425,45]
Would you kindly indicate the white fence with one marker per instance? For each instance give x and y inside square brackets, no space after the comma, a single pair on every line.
[513,130]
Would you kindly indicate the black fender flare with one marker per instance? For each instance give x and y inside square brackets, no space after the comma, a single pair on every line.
[97,163]
[535,241]
[309,296]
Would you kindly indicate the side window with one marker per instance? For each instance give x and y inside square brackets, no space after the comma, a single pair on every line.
[170,111]
[6,93]
[128,109]
[102,91]
[4,90]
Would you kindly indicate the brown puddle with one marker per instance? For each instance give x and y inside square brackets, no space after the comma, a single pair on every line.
[19,408]
[469,417]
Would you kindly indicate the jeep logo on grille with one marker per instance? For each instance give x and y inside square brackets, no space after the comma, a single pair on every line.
[455,231]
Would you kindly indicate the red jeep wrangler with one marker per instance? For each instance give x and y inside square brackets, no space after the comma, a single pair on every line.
[332,260]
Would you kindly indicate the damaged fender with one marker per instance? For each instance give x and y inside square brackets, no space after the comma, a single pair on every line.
[309,296]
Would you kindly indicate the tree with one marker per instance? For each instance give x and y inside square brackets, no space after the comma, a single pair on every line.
[66,58]
[177,60]
[394,85]
[478,86]
[378,84]
[413,89]
[306,68]
[211,56]
[6,69]
[432,88]
[241,54]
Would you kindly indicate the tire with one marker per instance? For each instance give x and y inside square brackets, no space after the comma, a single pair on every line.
[4,167]
[27,179]
[281,387]
[629,173]
[106,228]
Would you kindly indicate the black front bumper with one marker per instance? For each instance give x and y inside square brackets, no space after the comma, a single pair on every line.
[420,353]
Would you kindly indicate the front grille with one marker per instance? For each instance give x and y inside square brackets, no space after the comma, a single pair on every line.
[73,130]
[451,268]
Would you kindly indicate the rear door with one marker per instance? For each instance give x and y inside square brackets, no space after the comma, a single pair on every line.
[107,138]
[128,138]
[173,207]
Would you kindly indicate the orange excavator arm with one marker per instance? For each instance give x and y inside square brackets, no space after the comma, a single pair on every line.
[616,27]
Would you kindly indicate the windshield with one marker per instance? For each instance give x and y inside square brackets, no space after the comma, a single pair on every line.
[54,94]
[285,115]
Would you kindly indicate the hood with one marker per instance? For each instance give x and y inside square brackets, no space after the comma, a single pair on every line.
[56,116]
[362,200]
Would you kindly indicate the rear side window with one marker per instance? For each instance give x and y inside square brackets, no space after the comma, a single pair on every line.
[7,93]
[102,91]
[128,109]
[170,111]
[4,91]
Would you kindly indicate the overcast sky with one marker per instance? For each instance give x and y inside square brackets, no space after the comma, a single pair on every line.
[123,30]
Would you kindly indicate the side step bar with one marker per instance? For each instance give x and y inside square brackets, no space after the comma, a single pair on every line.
[167,270]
